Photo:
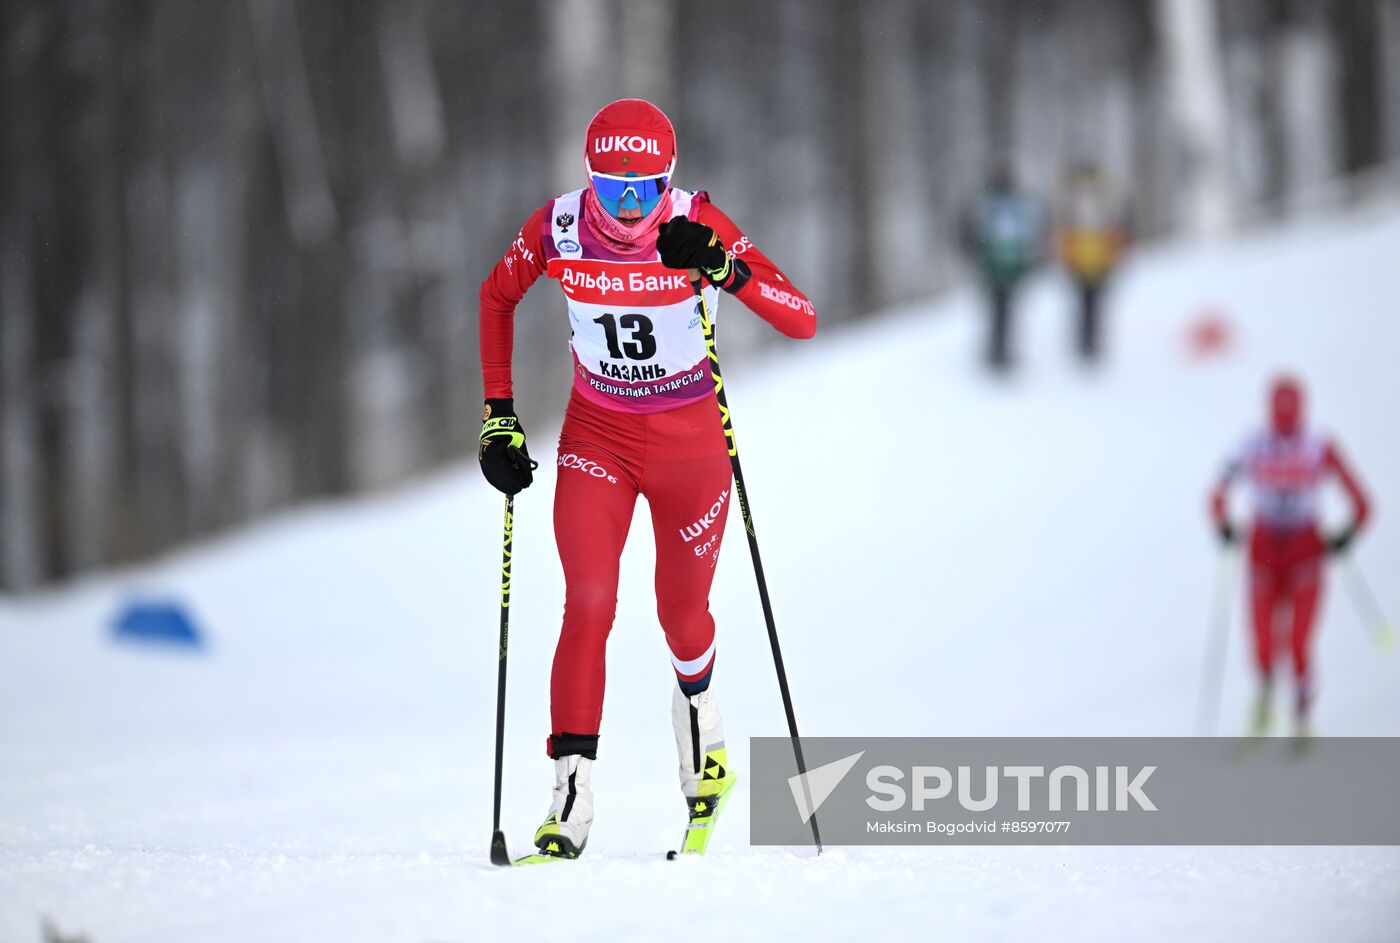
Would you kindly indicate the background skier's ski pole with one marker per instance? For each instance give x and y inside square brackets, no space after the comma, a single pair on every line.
[499,854]
[1213,676]
[1382,630]
[741,493]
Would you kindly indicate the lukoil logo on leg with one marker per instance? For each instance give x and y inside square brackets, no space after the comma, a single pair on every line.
[691,531]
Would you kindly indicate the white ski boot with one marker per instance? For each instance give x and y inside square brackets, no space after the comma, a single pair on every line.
[706,779]
[565,830]
[1261,715]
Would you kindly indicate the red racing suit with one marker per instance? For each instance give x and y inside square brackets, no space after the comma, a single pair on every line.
[1285,548]
[642,420]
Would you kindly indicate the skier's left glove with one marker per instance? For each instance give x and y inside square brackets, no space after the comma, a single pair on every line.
[684,243]
[1227,533]
[504,460]
[1340,541]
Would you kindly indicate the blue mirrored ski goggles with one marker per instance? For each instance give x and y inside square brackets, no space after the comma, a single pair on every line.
[646,191]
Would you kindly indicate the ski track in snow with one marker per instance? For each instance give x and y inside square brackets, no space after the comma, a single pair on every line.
[959,557]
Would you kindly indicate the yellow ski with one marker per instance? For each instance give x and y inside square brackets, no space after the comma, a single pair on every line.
[716,787]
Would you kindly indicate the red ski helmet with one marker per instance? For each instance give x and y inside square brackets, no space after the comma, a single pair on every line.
[630,137]
[1286,405]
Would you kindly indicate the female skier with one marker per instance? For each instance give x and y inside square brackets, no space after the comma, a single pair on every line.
[1286,465]
[642,419]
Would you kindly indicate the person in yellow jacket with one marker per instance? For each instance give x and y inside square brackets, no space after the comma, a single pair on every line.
[1092,233]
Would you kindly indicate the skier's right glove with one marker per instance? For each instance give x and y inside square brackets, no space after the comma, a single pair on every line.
[1227,533]
[685,244]
[504,460]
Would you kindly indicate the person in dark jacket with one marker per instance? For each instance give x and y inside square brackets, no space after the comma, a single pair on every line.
[1004,233]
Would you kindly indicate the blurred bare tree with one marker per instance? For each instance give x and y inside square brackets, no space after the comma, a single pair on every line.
[240,242]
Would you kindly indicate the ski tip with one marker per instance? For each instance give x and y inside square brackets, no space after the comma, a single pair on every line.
[671,855]
[499,855]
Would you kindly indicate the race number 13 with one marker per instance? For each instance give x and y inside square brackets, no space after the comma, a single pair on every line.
[641,345]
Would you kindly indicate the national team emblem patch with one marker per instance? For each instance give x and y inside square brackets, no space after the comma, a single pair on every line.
[564,221]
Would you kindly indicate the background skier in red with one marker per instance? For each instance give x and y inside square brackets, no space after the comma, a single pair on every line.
[642,420]
[1286,465]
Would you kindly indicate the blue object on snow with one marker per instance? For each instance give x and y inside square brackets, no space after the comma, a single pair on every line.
[163,623]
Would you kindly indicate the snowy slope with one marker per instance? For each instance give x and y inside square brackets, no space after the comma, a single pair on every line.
[1024,558]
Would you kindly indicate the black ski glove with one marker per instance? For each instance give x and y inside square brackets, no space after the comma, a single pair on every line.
[683,243]
[1227,533]
[1340,541]
[504,460]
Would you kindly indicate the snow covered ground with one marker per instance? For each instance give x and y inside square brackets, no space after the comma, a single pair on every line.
[1026,558]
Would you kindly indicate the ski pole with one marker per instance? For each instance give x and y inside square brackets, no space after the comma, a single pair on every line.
[1213,675]
[740,492]
[499,854]
[1382,630]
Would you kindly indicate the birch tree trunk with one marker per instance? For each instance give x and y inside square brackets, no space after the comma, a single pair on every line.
[1200,115]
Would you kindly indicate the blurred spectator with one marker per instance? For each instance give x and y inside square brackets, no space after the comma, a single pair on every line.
[1092,232]
[1004,232]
